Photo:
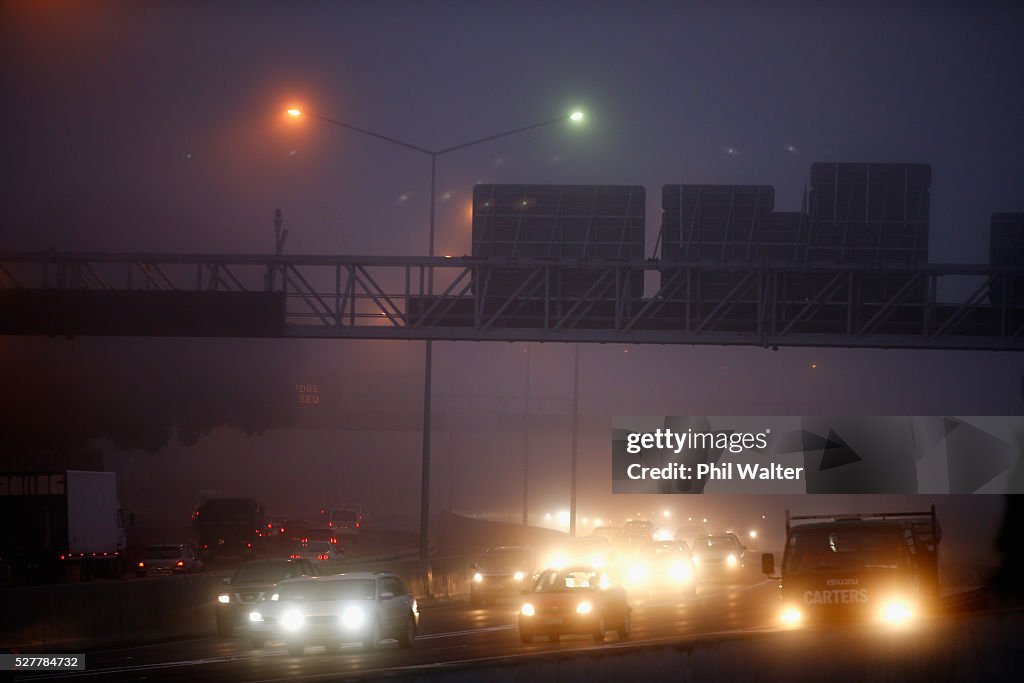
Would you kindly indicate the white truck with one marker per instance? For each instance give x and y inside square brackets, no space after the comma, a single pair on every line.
[63,526]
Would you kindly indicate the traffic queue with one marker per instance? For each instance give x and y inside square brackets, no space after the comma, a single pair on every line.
[578,586]
[878,567]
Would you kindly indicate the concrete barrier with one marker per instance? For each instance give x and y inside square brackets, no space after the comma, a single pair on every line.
[47,616]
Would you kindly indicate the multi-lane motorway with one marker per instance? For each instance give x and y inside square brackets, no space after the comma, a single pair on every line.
[453,634]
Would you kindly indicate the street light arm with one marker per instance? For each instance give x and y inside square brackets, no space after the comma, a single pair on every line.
[502,135]
[372,134]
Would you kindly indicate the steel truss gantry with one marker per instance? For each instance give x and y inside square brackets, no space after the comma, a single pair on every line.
[767,304]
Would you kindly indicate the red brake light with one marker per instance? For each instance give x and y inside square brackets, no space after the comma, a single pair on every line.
[248,545]
[62,557]
[181,563]
[334,540]
[270,526]
[282,530]
[205,546]
[293,556]
[357,525]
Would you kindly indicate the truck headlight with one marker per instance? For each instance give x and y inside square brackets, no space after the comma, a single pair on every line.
[478,577]
[275,597]
[292,620]
[896,612]
[255,616]
[224,598]
[353,617]
[731,560]
[519,576]
[791,616]
[527,610]
[584,608]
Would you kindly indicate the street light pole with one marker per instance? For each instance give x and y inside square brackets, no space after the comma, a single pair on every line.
[526,442]
[575,117]
[575,425]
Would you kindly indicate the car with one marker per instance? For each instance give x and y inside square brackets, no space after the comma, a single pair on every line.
[639,530]
[585,550]
[248,586]
[294,529]
[616,537]
[170,558]
[502,571]
[345,524]
[357,607]
[321,534]
[720,555]
[360,509]
[574,600]
[320,551]
[275,524]
[690,532]
[661,566]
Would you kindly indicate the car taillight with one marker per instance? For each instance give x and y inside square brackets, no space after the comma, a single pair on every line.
[357,525]
[282,530]
[334,540]
[180,563]
[205,546]
[293,556]
[330,525]
[248,545]
[270,526]
[321,556]
[141,564]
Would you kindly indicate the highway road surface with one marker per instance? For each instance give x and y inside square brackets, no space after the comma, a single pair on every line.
[453,634]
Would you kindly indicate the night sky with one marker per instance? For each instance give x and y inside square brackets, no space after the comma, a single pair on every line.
[160,127]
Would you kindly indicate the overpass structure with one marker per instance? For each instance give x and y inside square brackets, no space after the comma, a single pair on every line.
[766,303]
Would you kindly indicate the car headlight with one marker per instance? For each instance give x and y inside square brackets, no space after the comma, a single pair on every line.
[224,598]
[731,560]
[353,617]
[896,612]
[255,616]
[527,610]
[478,577]
[791,616]
[680,572]
[696,559]
[584,608]
[275,597]
[415,607]
[637,573]
[518,576]
[292,620]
